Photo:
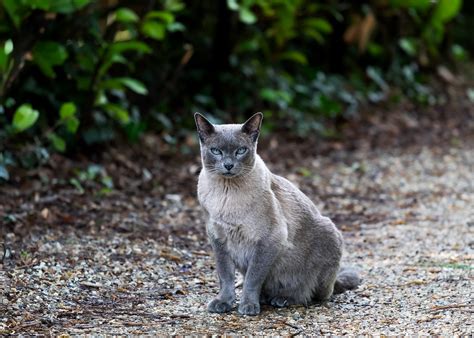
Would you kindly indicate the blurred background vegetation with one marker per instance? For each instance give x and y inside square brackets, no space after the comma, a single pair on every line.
[76,75]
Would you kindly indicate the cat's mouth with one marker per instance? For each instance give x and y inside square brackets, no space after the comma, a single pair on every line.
[228,174]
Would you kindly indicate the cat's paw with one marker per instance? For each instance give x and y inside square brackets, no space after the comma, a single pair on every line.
[249,309]
[279,302]
[219,306]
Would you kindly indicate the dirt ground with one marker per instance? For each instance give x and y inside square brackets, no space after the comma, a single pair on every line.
[80,258]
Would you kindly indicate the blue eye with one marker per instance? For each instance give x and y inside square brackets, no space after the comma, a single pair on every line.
[216,151]
[241,151]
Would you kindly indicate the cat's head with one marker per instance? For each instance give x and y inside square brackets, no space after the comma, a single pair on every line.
[228,150]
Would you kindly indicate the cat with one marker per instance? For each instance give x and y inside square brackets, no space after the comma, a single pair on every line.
[262,225]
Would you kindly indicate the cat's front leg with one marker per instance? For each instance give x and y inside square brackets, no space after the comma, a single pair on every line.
[226,272]
[260,264]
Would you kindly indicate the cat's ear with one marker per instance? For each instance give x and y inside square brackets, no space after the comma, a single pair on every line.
[252,126]
[204,127]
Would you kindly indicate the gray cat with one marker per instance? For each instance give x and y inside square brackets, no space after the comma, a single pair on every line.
[264,226]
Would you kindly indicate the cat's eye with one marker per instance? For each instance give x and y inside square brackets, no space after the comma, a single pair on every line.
[241,151]
[216,151]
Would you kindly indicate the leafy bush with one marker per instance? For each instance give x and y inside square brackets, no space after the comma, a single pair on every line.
[65,65]
[77,73]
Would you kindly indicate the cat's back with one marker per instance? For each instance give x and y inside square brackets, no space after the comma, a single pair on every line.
[292,199]
[301,214]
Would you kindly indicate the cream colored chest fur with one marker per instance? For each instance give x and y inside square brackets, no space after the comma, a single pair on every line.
[229,208]
[239,211]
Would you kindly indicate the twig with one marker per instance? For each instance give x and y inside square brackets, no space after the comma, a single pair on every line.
[178,315]
[200,253]
[300,329]
[26,266]
[451,306]
[91,285]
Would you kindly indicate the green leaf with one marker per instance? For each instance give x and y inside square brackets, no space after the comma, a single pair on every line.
[154,29]
[72,124]
[117,112]
[126,15]
[294,56]
[319,24]
[48,54]
[134,85]
[275,96]
[4,173]
[315,35]
[470,94]
[174,5]
[446,10]
[458,52]
[8,47]
[58,142]
[247,16]
[121,82]
[107,181]
[176,27]
[75,182]
[305,172]
[110,60]
[3,59]
[16,10]
[163,16]
[25,116]
[40,4]
[123,46]
[67,113]
[117,48]
[409,46]
[67,110]
[376,75]
[232,5]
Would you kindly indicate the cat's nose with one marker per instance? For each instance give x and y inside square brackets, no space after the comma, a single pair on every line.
[228,166]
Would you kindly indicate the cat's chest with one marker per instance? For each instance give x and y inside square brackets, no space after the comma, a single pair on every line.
[234,216]
[229,206]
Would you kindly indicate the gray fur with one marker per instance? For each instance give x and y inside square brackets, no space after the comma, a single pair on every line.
[264,226]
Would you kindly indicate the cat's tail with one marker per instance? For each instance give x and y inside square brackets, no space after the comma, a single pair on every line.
[347,279]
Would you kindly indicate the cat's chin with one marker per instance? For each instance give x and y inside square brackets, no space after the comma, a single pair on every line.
[229,175]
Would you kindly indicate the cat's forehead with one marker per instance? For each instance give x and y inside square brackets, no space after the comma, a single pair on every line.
[228,129]
[229,135]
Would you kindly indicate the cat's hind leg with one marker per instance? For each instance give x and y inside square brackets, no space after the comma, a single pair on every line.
[325,287]
[281,295]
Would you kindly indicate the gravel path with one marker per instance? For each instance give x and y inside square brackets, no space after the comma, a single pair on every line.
[407,218]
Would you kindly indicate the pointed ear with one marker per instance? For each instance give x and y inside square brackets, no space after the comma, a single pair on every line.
[252,126]
[204,127]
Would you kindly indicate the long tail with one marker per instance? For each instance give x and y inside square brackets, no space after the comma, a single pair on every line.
[347,279]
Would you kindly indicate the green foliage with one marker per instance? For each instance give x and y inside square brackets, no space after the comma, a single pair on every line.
[67,116]
[126,15]
[93,175]
[48,54]
[25,116]
[58,142]
[96,71]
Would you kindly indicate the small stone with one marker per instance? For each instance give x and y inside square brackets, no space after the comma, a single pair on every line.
[296,316]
